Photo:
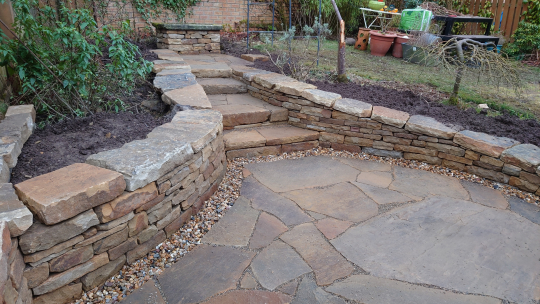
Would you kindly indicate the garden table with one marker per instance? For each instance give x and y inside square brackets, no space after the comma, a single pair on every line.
[377,14]
[449,23]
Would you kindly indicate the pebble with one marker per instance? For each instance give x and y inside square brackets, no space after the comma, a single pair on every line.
[134,276]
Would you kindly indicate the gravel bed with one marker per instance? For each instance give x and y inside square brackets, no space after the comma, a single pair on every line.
[167,253]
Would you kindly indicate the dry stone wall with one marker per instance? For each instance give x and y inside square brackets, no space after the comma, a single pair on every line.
[356,126]
[188,38]
[72,229]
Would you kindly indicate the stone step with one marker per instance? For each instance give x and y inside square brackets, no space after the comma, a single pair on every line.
[213,86]
[239,110]
[268,140]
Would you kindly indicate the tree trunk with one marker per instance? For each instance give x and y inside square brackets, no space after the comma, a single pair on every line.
[454,96]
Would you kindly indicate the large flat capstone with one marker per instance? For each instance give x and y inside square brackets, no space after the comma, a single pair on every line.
[193,96]
[429,126]
[66,192]
[174,81]
[143,161]
[525,156]
[484,143]
[13,211]
[452,244]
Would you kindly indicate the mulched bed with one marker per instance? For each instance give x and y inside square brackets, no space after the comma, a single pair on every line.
[72,141]
[505,125]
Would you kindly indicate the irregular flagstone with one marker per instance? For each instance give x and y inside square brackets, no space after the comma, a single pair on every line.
[389,116]
[353,107]
[316,215]
[214,86]
[160,65]
[143,161]
[381,195]
[343,201]
[287,135]
[331,227]
[378,179]
[289,288]
[40,237]
[193,96]
[248,282]
[429,126]
[324,98]
[365,165]
[308,172]
[373,290]
[239,70]
[251,297]
[525,209]
[147,294]
[174,81]
[484,143]
[309,292]
[277,264]
[203,282]
[484,250]
[267,229]
[13,211]
[423,183]
[270,80]
[485,195]
[243,139]
[264,199]
[235,228]
[234,115]
[325,261]
[525,156]
[293,87]
[64,193]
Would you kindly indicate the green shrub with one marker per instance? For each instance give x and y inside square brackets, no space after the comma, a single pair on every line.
[66,64]
[526,39]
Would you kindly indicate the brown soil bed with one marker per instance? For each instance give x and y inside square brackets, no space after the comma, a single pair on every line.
[72,141]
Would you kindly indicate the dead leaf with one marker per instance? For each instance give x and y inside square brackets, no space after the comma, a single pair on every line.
[28,176]
[37,142]
[41,152]
[92,123]
[108,135]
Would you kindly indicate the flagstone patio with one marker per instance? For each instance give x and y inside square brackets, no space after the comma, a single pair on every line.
[338,230]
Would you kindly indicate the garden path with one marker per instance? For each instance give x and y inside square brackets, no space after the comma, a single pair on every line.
[338,230]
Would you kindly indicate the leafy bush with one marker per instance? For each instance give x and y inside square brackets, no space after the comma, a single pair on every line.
[526,39]
[65,64]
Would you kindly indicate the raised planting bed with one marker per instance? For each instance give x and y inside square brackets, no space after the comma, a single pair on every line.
[189,38]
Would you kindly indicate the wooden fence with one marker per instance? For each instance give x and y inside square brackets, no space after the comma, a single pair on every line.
[506,14]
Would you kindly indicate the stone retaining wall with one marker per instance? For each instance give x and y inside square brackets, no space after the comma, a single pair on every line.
[356,126]
[188,38]
[88,220]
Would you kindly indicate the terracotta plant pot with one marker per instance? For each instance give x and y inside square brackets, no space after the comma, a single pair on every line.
[381,43]
[398,49]
[363,39]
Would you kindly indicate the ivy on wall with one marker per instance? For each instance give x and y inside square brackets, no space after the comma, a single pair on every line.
[150,9]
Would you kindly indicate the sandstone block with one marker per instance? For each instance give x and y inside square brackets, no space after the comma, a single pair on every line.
[168,82]
[147,234]
[525,156]
[490,174]
[363,142]
[293,87]
[71,258]
[159,211]
[301,146]
[423,158]
[144,248]
[36,275]
[101,235]
[286,135]
[22,109]
[17,128]
[16,268]
[90,232]
[511,170]
[126,203]
[137,224]
[446,149]
[46,255]
[213,86]
[254,57]
[484,143]
[522,184]
[65,294]
[455,158]
[193,96]
[64,193]
[389,116]
[453,165]
[111,241]
[178,222]
[254,152]
[268,81]
[103,273]
[429,126]
[234,115]
[61,279]
[324,98]
[318,112]
[243,139]
[171,216]
[118,251]
[331,137]
[385,153]
[353,107]
[211,70]
[160,65]
[115,223]
[40,237]
[416,150]
[13,211]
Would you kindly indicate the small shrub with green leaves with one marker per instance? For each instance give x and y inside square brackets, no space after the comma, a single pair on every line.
[65,64]
[526,39]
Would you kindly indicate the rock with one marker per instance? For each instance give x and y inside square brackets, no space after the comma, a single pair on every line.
[350,41]
[389,116]
[489,174]
[170,55]
[137,224]
[236,228]
[250,75]
[353,107]
[284,262]
[213,86]
[193,96]
[25,293]
[147,294]
[324,98]
[375,178]
[287,135]
[383,196]
[239,70]
[228,264]
[144,248]
[423,158]
[62,295]
[525,209]
[423,184]
[483,106]
[327,264]
[365,165]
[211,70]
[126,203]
[234,115]
[71,258]
[484,143]
[301,146]
[17,127]
[267,229]
[243,139]
[116,252]
[254,152]
[103,273]
[4,172]
[16,269]
[22,109]
[254,57]
[115,223]
[384,153]
[309,292]
[40,237]
[429,126]
[36,275]
[485,196]
[143,161]
[159,211]
[175,81]
[525,156]
[111,241]
[90,232]
[10,153]
[248,282]
[160,65]
[270,80]
[47,255]
[101,235]
[13,211]
[147,234]
[64,193]
[293,87]
[331,227]
[58,280]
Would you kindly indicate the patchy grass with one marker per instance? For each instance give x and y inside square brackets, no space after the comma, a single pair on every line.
[473,91]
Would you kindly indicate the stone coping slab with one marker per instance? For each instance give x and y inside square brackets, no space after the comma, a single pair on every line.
[187,27]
